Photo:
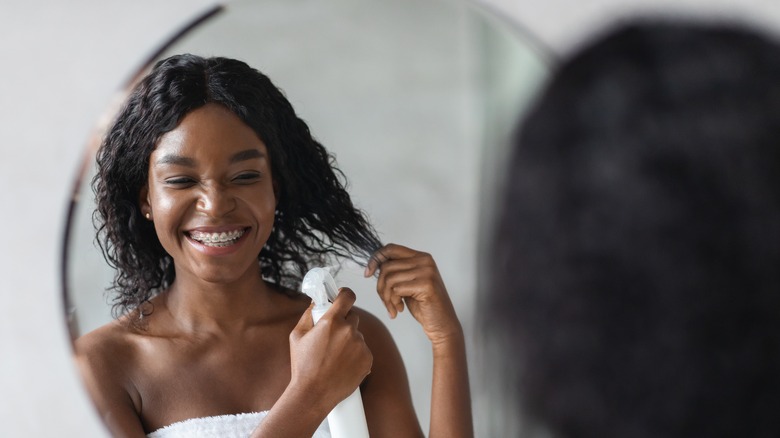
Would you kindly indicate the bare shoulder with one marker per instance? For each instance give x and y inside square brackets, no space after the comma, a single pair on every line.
[387,358]
[111,342]
[386,396]
[105,357]
[374,330]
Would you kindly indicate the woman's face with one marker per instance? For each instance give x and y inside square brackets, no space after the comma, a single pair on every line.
[211,195]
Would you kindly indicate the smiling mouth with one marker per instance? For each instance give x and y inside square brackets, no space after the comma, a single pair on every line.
[225,238]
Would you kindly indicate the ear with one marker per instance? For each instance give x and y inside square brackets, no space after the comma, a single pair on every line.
[143,200]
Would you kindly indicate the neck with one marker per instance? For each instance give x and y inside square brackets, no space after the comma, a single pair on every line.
[197,305]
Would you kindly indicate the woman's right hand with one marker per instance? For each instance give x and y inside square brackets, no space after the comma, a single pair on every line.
[329,360]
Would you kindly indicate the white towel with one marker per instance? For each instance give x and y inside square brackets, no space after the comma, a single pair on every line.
[222,426]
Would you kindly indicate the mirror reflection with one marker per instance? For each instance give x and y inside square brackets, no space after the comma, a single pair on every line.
[413,99]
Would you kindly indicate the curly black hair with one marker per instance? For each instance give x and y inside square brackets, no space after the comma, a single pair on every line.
[636,261]
[315,222]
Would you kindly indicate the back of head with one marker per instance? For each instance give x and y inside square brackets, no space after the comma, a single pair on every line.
[635,261]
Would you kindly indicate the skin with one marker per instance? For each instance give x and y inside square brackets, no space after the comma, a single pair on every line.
[221,340]
[410,279]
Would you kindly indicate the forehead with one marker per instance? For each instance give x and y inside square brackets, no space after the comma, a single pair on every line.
[209,132]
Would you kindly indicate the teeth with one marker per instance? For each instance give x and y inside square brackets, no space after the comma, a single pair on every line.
[224,238]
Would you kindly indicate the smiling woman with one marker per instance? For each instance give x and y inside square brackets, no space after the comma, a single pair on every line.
[184,177]
[401,95]
[213,199]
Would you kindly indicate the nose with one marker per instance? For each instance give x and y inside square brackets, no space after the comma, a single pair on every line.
[215,201]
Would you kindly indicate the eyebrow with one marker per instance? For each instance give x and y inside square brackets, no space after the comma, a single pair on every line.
[178,160]
[248,154]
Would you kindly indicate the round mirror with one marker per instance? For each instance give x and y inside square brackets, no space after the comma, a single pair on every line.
[416,99]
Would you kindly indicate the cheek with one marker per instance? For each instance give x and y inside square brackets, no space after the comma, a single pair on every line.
[266,210]
[265,196]
[165,205]
[167,211]
[264,206]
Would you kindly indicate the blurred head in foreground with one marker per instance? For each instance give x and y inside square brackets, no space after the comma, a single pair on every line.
[635,263]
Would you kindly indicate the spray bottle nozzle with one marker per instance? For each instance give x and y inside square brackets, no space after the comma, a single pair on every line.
[330,289]
[319,285]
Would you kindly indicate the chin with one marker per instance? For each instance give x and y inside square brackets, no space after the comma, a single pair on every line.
[227,274]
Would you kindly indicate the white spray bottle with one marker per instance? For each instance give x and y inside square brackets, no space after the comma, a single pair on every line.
[347,419]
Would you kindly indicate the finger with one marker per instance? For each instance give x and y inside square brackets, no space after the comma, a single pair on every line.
[395,251]
[398,274]
[353,319]
[395,306]
[388,252]
[305,323]
[342,304]
[420,291]
[394,273]
[392,300]
[413,288]
[392,311]
[421,263]
[376,260]
[392,267]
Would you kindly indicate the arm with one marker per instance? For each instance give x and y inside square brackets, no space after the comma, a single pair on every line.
[385,391]
[100,362]
[386,397]
[410,279]
[450,398]
[328,361]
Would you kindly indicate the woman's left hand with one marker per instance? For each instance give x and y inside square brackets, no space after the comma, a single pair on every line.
[409,278]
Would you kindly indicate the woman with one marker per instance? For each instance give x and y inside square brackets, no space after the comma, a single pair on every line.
[213,201]
[635,262]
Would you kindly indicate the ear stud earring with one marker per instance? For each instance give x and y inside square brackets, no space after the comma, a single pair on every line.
[148,216]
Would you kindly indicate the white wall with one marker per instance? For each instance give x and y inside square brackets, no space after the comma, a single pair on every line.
[61,63]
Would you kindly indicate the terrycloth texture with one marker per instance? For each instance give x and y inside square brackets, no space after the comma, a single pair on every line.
[222,426]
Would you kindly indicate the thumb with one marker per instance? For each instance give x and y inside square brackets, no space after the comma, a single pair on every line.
[304,324]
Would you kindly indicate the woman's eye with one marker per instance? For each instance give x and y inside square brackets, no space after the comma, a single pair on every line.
[180,182]
[247,177]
